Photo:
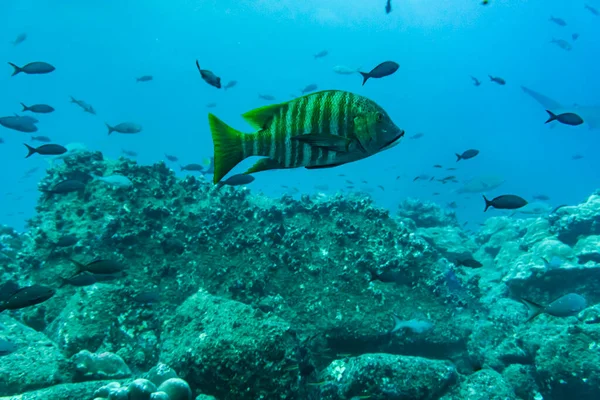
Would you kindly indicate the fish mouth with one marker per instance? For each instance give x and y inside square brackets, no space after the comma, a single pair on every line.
[394,141]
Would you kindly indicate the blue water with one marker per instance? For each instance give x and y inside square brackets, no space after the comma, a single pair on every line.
[99,48]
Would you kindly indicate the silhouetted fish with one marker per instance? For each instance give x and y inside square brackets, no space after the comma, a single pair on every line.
[34,68]
[209,77]
[382,70]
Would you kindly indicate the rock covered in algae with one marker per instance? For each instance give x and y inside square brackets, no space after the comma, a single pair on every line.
[35,363]
[220,346]
[486,384]
[573,222]
[63,391]
[386,376]
[99,366]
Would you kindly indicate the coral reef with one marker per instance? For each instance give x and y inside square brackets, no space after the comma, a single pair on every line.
[243,296]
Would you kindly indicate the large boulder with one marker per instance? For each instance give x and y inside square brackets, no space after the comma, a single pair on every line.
[35,363]
[386,376]
[230,350]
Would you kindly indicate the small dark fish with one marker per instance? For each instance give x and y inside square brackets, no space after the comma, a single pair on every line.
[591,9]
[192,167]
[417,136]
[18,123]
[555,209]
[66,241]
[27,119]
[435,193]
[575,36]
[34,68]
[43,139]
[563,44]
[587,257]
[452,204]
[437,166]
[80,279]
[466,154]
[565,306]
[21,37]
[129,153]
[321,54]
[6,347]
[46,150]
[469,262]
[382,70]
[124,127]
[100,266]
[26,297]
[541,197]
[309,88]
[229,85]
[108,277]
[576,157]
[447,179]
[148,297]
[66,186]
[497,79]
[236,180]
[267,97]
[209,77]
[476,81]
[565,118]
[558,21]
[145,78]
[381,187]
[388,6]
[38,108]
[86,107]
[172,158]
[505,202]
[211,105]
[450,169]
[1,140]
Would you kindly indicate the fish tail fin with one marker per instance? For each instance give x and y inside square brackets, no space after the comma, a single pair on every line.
[488,203]
[491,77]
[25,108]
[181,168]
[31,150]
[552,116]
[73,99]
[534,309]
[63,282]
[17,69]
[110,128]
[228,147]
[458,157]
[80,266]
[365,76]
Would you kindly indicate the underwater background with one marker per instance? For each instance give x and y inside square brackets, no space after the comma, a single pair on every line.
[377,279]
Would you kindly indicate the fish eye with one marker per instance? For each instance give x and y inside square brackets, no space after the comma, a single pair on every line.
[379,117]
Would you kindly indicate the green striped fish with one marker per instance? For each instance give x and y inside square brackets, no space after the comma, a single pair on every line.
[319,130]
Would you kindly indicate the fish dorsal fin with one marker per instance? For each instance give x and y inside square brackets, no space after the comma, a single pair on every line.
[260,117]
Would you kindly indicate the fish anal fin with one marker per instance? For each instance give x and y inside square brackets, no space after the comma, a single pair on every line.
[259,117]
[264,164]
[323,166]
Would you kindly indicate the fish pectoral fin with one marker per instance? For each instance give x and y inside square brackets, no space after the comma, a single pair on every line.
[326,141]
[260,117]
[264,164]
[323,166]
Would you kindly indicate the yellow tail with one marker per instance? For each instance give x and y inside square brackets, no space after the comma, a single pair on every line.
[228,144]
